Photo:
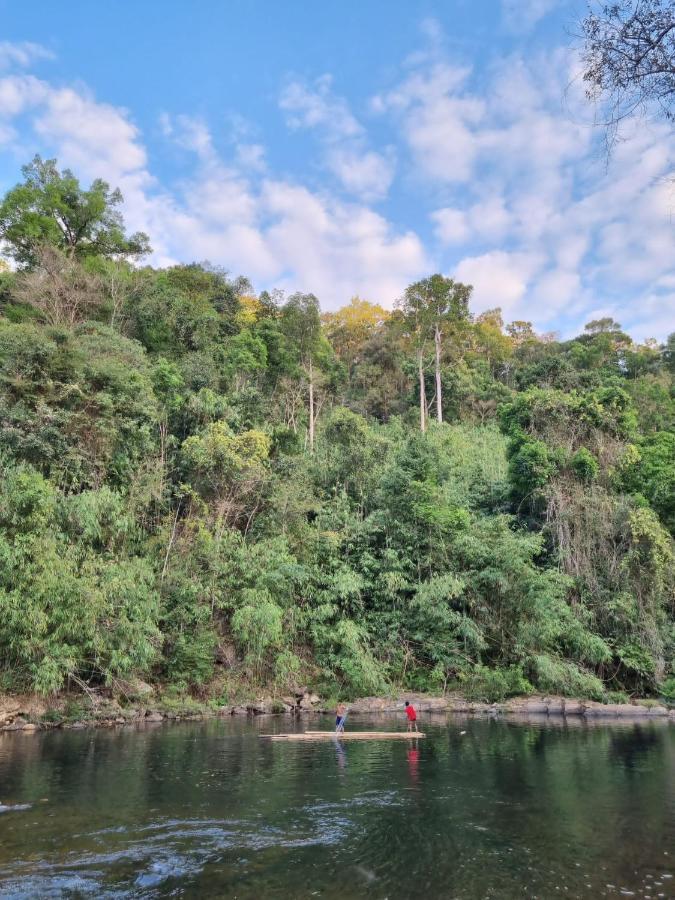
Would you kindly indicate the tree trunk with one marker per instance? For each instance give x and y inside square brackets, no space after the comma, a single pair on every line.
[311,408]
[423,396]
[439,399]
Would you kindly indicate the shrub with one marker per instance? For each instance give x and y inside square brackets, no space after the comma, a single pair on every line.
[494,685]
[667,690]
[585,465]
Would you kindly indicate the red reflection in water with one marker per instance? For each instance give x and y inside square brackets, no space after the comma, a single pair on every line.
[414,763]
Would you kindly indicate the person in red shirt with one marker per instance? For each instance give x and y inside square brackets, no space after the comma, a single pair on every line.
[412,716]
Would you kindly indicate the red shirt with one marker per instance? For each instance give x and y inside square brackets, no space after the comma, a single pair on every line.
[411,714]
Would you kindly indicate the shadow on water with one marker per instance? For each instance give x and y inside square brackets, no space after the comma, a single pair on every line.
[478,808]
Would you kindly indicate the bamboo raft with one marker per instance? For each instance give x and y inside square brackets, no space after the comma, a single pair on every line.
[345,735]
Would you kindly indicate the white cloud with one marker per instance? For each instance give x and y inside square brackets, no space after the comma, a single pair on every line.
[487,219]
[251,156]
[231,212]
[360,170]
[451,225]
[520,202]
[308,107]
[522,15]
[189,132]
[543,227]
[437,121]
[90,135]
[20,92]
[22,54]
[498,278]
[348,248]
[366,174]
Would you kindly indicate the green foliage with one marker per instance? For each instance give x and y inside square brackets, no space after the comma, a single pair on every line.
[72,602]
[557,676]
[651,473]
[668,690]
[585,465]
[166,511]
[494,685]
[50,207]
[530,467]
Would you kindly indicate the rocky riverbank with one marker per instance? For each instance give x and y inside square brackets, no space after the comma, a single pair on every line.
[142,704]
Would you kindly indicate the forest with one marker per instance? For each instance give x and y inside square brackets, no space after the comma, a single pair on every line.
[217,490]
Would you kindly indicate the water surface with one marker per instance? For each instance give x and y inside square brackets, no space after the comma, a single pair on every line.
[209,809]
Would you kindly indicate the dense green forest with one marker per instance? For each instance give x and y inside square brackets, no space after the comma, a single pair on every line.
[220,490]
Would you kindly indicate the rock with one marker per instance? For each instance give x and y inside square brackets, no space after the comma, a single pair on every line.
[8,710]
[30,726]
[314,699]
[18,724]
[624,710]
[261,707]
[239,711]
[77,726]
[573,708]
[535,706]
[154,716]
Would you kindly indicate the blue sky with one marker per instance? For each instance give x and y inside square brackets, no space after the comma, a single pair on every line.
[352,148]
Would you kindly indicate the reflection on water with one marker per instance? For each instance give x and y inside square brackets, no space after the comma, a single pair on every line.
[476,809]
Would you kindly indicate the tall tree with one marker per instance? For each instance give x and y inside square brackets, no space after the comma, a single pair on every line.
[50,208]
[301,323]
[431,306]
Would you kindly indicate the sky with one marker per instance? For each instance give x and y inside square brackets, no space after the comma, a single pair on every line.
[352,148]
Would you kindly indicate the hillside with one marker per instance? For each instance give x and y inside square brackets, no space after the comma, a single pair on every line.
[210,488]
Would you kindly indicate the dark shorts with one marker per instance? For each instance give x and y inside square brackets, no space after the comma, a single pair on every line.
[339,720]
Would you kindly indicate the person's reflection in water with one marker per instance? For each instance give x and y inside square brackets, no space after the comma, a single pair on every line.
[341,756]
[414,763]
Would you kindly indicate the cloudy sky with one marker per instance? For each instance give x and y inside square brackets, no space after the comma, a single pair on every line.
[353,147]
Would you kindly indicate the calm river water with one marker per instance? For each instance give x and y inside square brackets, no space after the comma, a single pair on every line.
[211,810]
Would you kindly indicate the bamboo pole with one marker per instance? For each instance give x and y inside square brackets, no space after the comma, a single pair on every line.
[346,735]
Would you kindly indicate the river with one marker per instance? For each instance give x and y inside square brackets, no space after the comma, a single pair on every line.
[479,808]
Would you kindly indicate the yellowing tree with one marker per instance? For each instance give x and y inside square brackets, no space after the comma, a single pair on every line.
[249,310]
[350,327]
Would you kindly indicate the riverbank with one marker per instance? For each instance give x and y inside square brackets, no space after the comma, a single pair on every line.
[143,704]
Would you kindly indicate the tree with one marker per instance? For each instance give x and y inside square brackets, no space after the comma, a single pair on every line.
[430,306]
[669,353]
[301,323]
[521,332]
[608,325]
[50,208]
[351,327]
[629,58]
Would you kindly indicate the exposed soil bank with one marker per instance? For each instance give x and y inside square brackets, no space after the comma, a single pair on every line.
[32,713]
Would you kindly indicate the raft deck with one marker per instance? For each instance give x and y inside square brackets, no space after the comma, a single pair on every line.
[345,735]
